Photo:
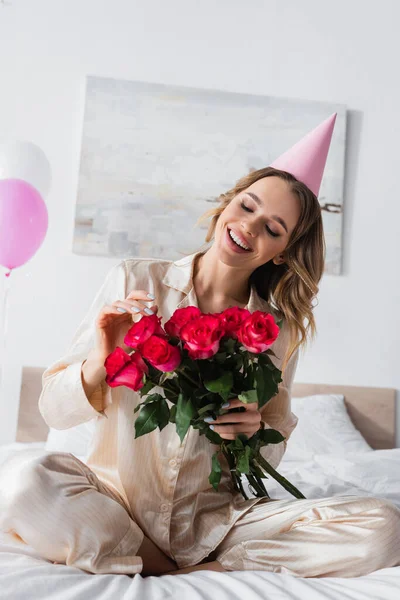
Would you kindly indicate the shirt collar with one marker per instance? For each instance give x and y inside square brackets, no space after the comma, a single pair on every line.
[179,275]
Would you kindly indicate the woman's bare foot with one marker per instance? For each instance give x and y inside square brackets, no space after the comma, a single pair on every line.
[210,566]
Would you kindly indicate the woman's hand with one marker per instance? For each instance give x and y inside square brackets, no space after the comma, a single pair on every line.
[114,321]
[228,426]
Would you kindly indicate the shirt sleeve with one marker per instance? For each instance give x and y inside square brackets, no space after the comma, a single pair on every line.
[63,402]
[277,414]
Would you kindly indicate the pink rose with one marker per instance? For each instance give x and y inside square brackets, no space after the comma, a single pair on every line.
[232,318]
[202,336]
[143,330]
[160,354]
[125,369]
[180,317]
[258,332]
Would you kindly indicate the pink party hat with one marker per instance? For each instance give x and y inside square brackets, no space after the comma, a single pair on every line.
[307,158]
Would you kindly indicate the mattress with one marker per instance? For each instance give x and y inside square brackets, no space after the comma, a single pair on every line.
[25,575]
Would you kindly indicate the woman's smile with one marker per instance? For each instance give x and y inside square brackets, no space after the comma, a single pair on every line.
[236,242]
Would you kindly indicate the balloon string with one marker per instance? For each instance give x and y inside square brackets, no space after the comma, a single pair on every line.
[4,332]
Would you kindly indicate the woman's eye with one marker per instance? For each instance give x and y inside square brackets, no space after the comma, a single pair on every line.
[245,207]
[272,232]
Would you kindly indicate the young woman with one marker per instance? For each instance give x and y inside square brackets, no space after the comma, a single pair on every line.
[145,505]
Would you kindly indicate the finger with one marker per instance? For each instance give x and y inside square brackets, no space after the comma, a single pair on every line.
[140,295]
[244,417]
[233,436]
[236,403]
[240,428]
[133,306]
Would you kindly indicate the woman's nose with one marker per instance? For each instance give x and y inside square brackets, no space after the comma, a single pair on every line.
[249,229]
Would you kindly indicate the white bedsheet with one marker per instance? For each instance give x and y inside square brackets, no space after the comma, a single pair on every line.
[24,575]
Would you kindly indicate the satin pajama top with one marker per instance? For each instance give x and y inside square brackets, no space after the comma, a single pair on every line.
[162,483]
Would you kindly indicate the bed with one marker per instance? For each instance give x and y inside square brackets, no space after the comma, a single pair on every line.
[344,443]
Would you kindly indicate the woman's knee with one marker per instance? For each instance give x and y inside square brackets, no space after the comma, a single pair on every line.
[35,475]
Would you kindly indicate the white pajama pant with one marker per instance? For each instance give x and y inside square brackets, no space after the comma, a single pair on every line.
[58,506]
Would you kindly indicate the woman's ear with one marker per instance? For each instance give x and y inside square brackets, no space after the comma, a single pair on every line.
[279,259]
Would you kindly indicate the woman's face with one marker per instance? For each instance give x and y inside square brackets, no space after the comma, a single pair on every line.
[261,219]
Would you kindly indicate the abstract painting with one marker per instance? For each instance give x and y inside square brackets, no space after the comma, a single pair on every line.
[155,157]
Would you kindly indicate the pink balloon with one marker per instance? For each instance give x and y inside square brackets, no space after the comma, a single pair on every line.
[23,222]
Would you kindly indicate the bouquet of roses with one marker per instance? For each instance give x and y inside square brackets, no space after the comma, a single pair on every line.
[200,362]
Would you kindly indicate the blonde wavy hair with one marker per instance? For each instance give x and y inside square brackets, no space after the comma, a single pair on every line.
[290,288]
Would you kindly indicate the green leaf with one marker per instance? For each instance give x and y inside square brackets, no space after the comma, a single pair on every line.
[271,436]
[236,444]
[229,345]
[150,398]
[280,323]
[172,413]
[163,413]
[213,436]
[220,357]
[222,385]
[277,375]
[267,386]
[248,397]
[184,414]
[242,464]
[204,409]
[258,471]
[185,386]
[153,398]
[147,387]
[260,384]
[216,471]
[147,420]
[154,374]
[235,362]
[201,393]
[264,359]
[172,396]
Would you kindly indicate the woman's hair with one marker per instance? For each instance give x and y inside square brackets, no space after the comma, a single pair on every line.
[291,287]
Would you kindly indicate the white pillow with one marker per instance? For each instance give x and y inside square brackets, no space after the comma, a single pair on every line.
[75,439]
[324,427]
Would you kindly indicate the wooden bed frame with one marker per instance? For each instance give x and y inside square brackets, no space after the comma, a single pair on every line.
[372,410]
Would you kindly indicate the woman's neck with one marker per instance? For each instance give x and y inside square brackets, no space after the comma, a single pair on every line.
[219,285]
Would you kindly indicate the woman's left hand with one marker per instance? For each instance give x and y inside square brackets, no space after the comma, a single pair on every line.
[247,422]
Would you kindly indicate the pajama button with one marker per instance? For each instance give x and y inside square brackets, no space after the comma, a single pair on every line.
[164,507]
[172,462]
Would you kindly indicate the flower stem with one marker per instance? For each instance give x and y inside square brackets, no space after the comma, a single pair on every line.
[188,378]
[282,480]
[239,482]
[230,459]
[257,485]
[261,484]
[165,387]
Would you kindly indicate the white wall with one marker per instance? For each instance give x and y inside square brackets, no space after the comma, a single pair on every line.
[344,52]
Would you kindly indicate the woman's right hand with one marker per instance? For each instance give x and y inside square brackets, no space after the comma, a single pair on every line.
[114,321]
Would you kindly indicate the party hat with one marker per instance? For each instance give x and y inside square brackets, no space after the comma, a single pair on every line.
[306,159]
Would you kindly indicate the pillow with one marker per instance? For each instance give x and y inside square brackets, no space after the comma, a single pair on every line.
[324,427]
[75,439]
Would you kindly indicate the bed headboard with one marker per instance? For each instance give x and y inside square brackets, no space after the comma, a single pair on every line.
[372,410]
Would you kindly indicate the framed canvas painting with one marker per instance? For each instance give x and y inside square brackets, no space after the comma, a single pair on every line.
[155,157]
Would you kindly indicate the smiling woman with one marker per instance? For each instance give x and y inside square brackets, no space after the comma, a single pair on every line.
[146,505]
[268,231]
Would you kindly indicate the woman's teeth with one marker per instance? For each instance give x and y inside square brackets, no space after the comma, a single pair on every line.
[237,240]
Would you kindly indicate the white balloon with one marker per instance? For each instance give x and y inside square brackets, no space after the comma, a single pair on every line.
[24,160]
